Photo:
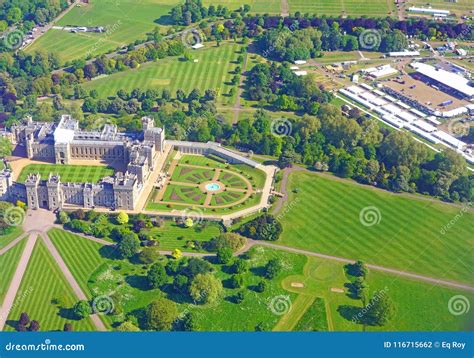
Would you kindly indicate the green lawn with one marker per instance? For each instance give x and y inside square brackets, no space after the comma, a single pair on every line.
[213,70]
[42,284]
[373,8]
[459,7]
[256,6]
[126,21]
[15,231]
[8,264]
[68,173]
[324,217]
[419,306]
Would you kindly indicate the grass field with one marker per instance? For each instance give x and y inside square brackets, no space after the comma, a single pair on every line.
[256,6]
[418,306]
[213,70]
[125,20]
[68,173]
[374,8]
[8,264]
[12,235]
[42,284]
[324,216]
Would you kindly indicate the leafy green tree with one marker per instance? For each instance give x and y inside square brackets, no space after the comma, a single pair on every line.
[82,309]
[380,309]
[236,281]
[5,147]
[122,218]
[224,255]
[157,276]
[128,246]
[160,314]
[205,288]
[127,326]
[240,266]
[149,255]
[273,268]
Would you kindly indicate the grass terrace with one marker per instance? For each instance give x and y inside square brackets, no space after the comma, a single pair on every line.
[373,8]
[256,6]
[68,173]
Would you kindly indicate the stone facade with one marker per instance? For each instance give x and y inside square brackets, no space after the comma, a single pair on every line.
[65,142]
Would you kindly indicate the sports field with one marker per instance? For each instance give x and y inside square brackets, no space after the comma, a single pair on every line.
[45,295]
[8,264]
[374,8]
[68,173]
[418,306]
[212,71]
[124,20]
[333,217]
[256,6]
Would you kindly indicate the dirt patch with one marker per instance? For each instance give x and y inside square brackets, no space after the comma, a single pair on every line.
[219,200]
[175,196]
[337,290]
[297,284]
[185,171]
[197,198]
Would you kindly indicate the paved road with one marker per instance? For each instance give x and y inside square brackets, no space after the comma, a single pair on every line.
[12,291]
[373,267]
[13,243]
[71,280]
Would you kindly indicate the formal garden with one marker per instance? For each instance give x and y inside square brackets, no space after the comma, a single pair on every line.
[207,184]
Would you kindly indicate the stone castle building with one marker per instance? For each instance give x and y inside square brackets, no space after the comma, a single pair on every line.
[64,142]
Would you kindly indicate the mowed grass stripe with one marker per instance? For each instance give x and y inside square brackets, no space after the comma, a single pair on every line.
[81,266]
[42,283]
[325,219]
[8,264]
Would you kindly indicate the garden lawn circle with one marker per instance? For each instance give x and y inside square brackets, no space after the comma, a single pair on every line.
[212,187]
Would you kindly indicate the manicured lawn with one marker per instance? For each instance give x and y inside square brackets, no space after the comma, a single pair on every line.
[126,21]
[8,264]
[184,195]
[459,7]
[212,71]
[419,306]
[324,217]
[314,319]
[190,175]
[42,284]
[256,6]
[15,231]
[68,173]
[372,8]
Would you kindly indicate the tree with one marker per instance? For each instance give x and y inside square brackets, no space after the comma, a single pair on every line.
[240,266]
[5,147]
[188,222]
[176,254]
[188,322]
[197,266]
[128,246]
[205,288]
[229,239]
[64,217]
[261,286]
[224,255]
[265,227]
[157,276]
[379,310]
[236,281]
[82,309]
[24,319]
[34,326]
[161,314]
[273,268]
[358,289]
[357,269]
[127,326]
[148,255]
[67,327]
[122,218]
